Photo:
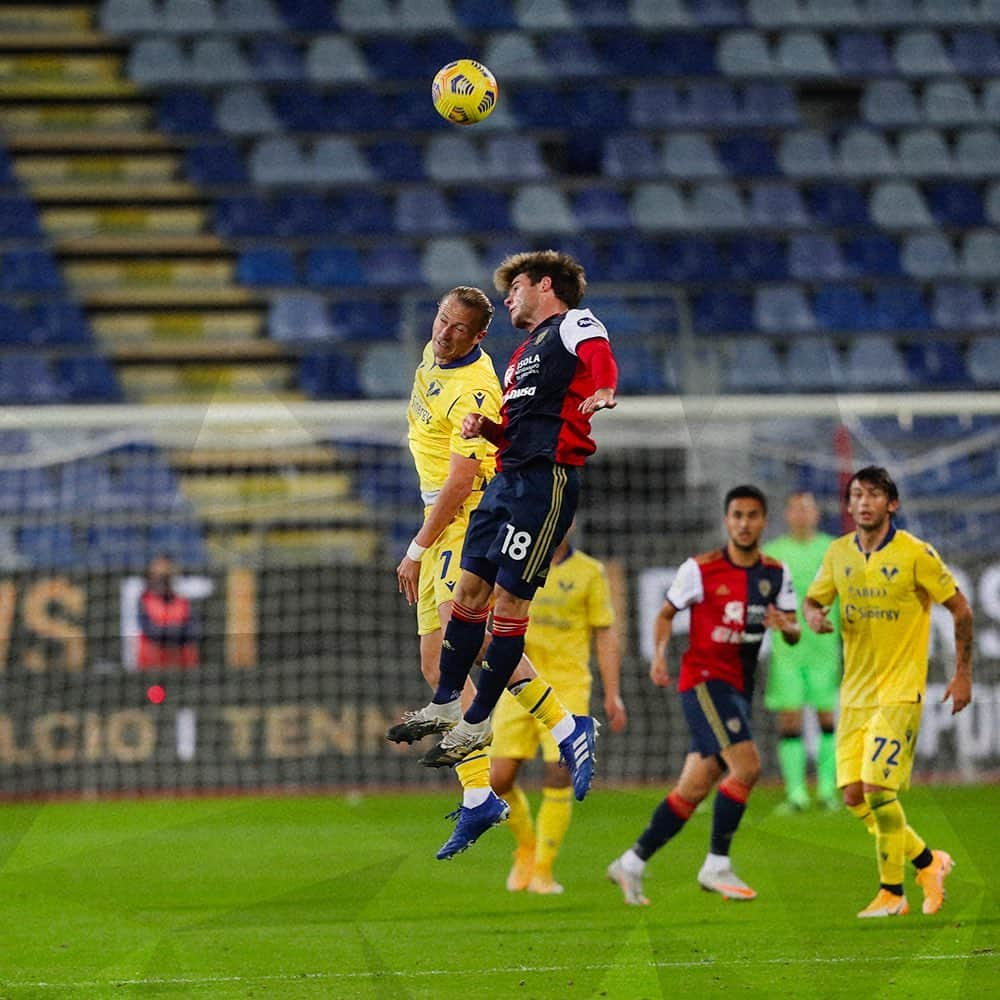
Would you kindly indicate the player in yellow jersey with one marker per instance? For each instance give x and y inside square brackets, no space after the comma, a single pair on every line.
[886,580]
[454,376]
[572,610]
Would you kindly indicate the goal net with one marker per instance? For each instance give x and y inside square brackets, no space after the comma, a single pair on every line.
[286,522]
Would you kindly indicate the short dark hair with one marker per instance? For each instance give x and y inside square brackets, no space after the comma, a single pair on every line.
[873,475]
[568,278]
[745,492]
[474,298]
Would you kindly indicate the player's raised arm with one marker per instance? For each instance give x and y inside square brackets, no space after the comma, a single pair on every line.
[960,687]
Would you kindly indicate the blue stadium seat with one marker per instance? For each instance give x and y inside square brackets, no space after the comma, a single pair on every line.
[899,307]
[392,265]
[928,255]
[807,153]
[767,102]
[338,159]
[304,213]
[580,248]
[88,378]
[215,163]
[659,14]
[863,54]
[777,205]
[570,55]
[975,52]
[692,259]
[690,155]
[639,371]
[188,17]
[722,311]
[266,266]
[954,203]
[363,212]
[598,13]
[18,219]
[890,103]
[657,105]
[181,540]
[334,266]
[129,17]
[713,103]
[899,205]
[540,107]
[329,374]
[813,365]
[752,366]
[14,326]
[539,208]
[362,320]
[481,209]
[815,256]
[276,60]
[980,254]
[492,16]
[936,365]
[27,378]
[48,546]
[295,317]
[874,362]
[628,156]
[951,102]
[216,61]
[718,205]
[745,54]
[396,160]
[959,307]
[838,206]
[747,156]
[515,55]
[249,16]
[977,153]
[628,53]
[514,157]
[424,209]
[245,111]
[308,15]
[589,106]
[921,53]
[686,54]
[923,152]
[842,308]
[598,209]
[718,13]
[302,109]
[58,321]
[26,270]
[873,254]
[336,60]
[782,309]
[447,261]
[117,546]
[244,215]
[157,61]
[393,58]
[635,259]
[757,258]
[982,360]
[86,485]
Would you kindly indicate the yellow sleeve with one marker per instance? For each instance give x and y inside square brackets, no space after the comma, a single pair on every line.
[932,574]
[600,610]
[823,589]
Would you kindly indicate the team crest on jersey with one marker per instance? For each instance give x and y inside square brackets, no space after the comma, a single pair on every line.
[889,571]
[434,388]
[566,585]
[764,586]
[734,725]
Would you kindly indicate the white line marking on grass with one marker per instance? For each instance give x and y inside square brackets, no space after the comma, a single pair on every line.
[289,977]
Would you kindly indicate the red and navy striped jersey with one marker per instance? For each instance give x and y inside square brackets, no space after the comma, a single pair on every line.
[728,604]
[543,386]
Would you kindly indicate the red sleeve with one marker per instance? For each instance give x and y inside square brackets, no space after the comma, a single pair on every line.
[596,354]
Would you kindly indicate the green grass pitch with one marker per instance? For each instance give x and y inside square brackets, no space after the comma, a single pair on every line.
[342,897]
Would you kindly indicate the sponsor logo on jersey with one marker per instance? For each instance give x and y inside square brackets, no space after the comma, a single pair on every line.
[479,397]
[528,390]
[733,613]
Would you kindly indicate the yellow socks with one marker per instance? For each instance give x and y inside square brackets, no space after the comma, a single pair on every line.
[553,821]
[474,770]
[890,835]
[519,821]
[538,698]
[913,844]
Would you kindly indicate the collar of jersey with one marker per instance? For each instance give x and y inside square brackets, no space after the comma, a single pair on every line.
[473,355]
[890,534]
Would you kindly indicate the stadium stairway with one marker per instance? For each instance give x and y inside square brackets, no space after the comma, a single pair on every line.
[132,236]
[135,245]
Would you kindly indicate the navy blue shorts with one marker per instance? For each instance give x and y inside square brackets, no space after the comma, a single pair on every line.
[718,716]
[523,515]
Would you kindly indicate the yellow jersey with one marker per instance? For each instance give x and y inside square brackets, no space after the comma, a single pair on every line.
[575,600]
[442,395]
[885,614]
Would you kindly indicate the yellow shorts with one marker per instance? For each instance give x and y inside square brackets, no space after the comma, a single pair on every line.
[518,734]
[876,744]
[440,569]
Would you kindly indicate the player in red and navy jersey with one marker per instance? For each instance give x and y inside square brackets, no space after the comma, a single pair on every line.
[561,375]
[735,594]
